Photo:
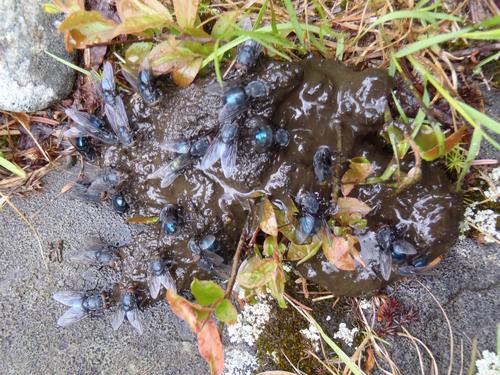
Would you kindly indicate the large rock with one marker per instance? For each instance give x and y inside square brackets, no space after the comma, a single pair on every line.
[30,80]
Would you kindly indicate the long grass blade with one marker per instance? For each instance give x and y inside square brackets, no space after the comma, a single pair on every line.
[295,22]
[11,167]
[67,63]
[475,144]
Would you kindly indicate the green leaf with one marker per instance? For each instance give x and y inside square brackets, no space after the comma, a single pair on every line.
[11,167]
[225,25]
[277,286]
[136,53]
[206,292]
[51,8]
[139,24]
[270,246]
[256,272]
[226,312]
[303,252]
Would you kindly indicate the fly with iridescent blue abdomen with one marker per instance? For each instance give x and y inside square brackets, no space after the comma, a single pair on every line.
[128,309]
[158,276]
[392,249]
[81,305]
[187,155]
[143,82]
[249,51]
[263,137]
[171,218]
[88,125]
[114,108]
[97,253]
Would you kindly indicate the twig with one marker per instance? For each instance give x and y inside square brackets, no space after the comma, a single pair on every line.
[236,258]
[160,38]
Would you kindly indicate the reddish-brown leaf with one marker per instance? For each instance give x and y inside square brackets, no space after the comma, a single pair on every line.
[185,12]
[337,253]
[370,361]
[165,57]
[210,347]
[450,142]
[184,310]
[185,75]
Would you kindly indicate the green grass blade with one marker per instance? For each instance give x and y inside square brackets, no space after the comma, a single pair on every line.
[11,167]
[295,22]
[485,61]
[428,42]
[67,63]
[217,63]
[475,144]
[414,14]
[261,14]
[483,35]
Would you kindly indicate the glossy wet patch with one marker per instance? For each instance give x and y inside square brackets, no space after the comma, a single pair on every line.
[320,103]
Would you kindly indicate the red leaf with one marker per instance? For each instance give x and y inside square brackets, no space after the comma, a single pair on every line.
[210,347]
[184,310]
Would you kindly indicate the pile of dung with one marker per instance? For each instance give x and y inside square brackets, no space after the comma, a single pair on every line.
[319,102]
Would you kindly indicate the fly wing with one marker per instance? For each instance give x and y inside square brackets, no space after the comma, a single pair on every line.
[133,318]
[118,119]
[108,79]
[228,159]
[167,281]
[229,112]
[174,168]
[85,125]
[154,286]
[69,298]
[85,257]
[71,316]
[131,78]
[214,258]
[74,132]
[94,243]
[117,318]
[214,152]
[385,264]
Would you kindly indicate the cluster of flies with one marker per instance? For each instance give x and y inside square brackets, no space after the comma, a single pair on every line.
[126,300]
[201,153]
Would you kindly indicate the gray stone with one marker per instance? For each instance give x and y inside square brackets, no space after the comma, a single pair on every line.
[30,80]
[31,342]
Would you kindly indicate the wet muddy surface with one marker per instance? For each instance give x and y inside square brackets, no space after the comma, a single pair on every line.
[319,102]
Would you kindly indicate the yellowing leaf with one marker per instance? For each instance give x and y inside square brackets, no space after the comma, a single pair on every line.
[352,205]
[185,12]
[450,142]
[270,246]
[137,25]
[210,347]
[69,6]
[166,56]
[256,272]
[137,8]
[83,28]
[277,286]
[183,309]
[136,53]
[185,75]
[268,222]
[143,219]
[359,169]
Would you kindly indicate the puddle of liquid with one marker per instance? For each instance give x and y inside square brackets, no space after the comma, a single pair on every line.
[320,102]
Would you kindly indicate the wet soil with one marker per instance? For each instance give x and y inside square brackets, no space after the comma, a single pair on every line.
[320,102]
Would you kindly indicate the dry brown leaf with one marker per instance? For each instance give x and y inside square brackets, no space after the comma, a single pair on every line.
[268,222]
[352,205]
[186,74]
[370,361]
